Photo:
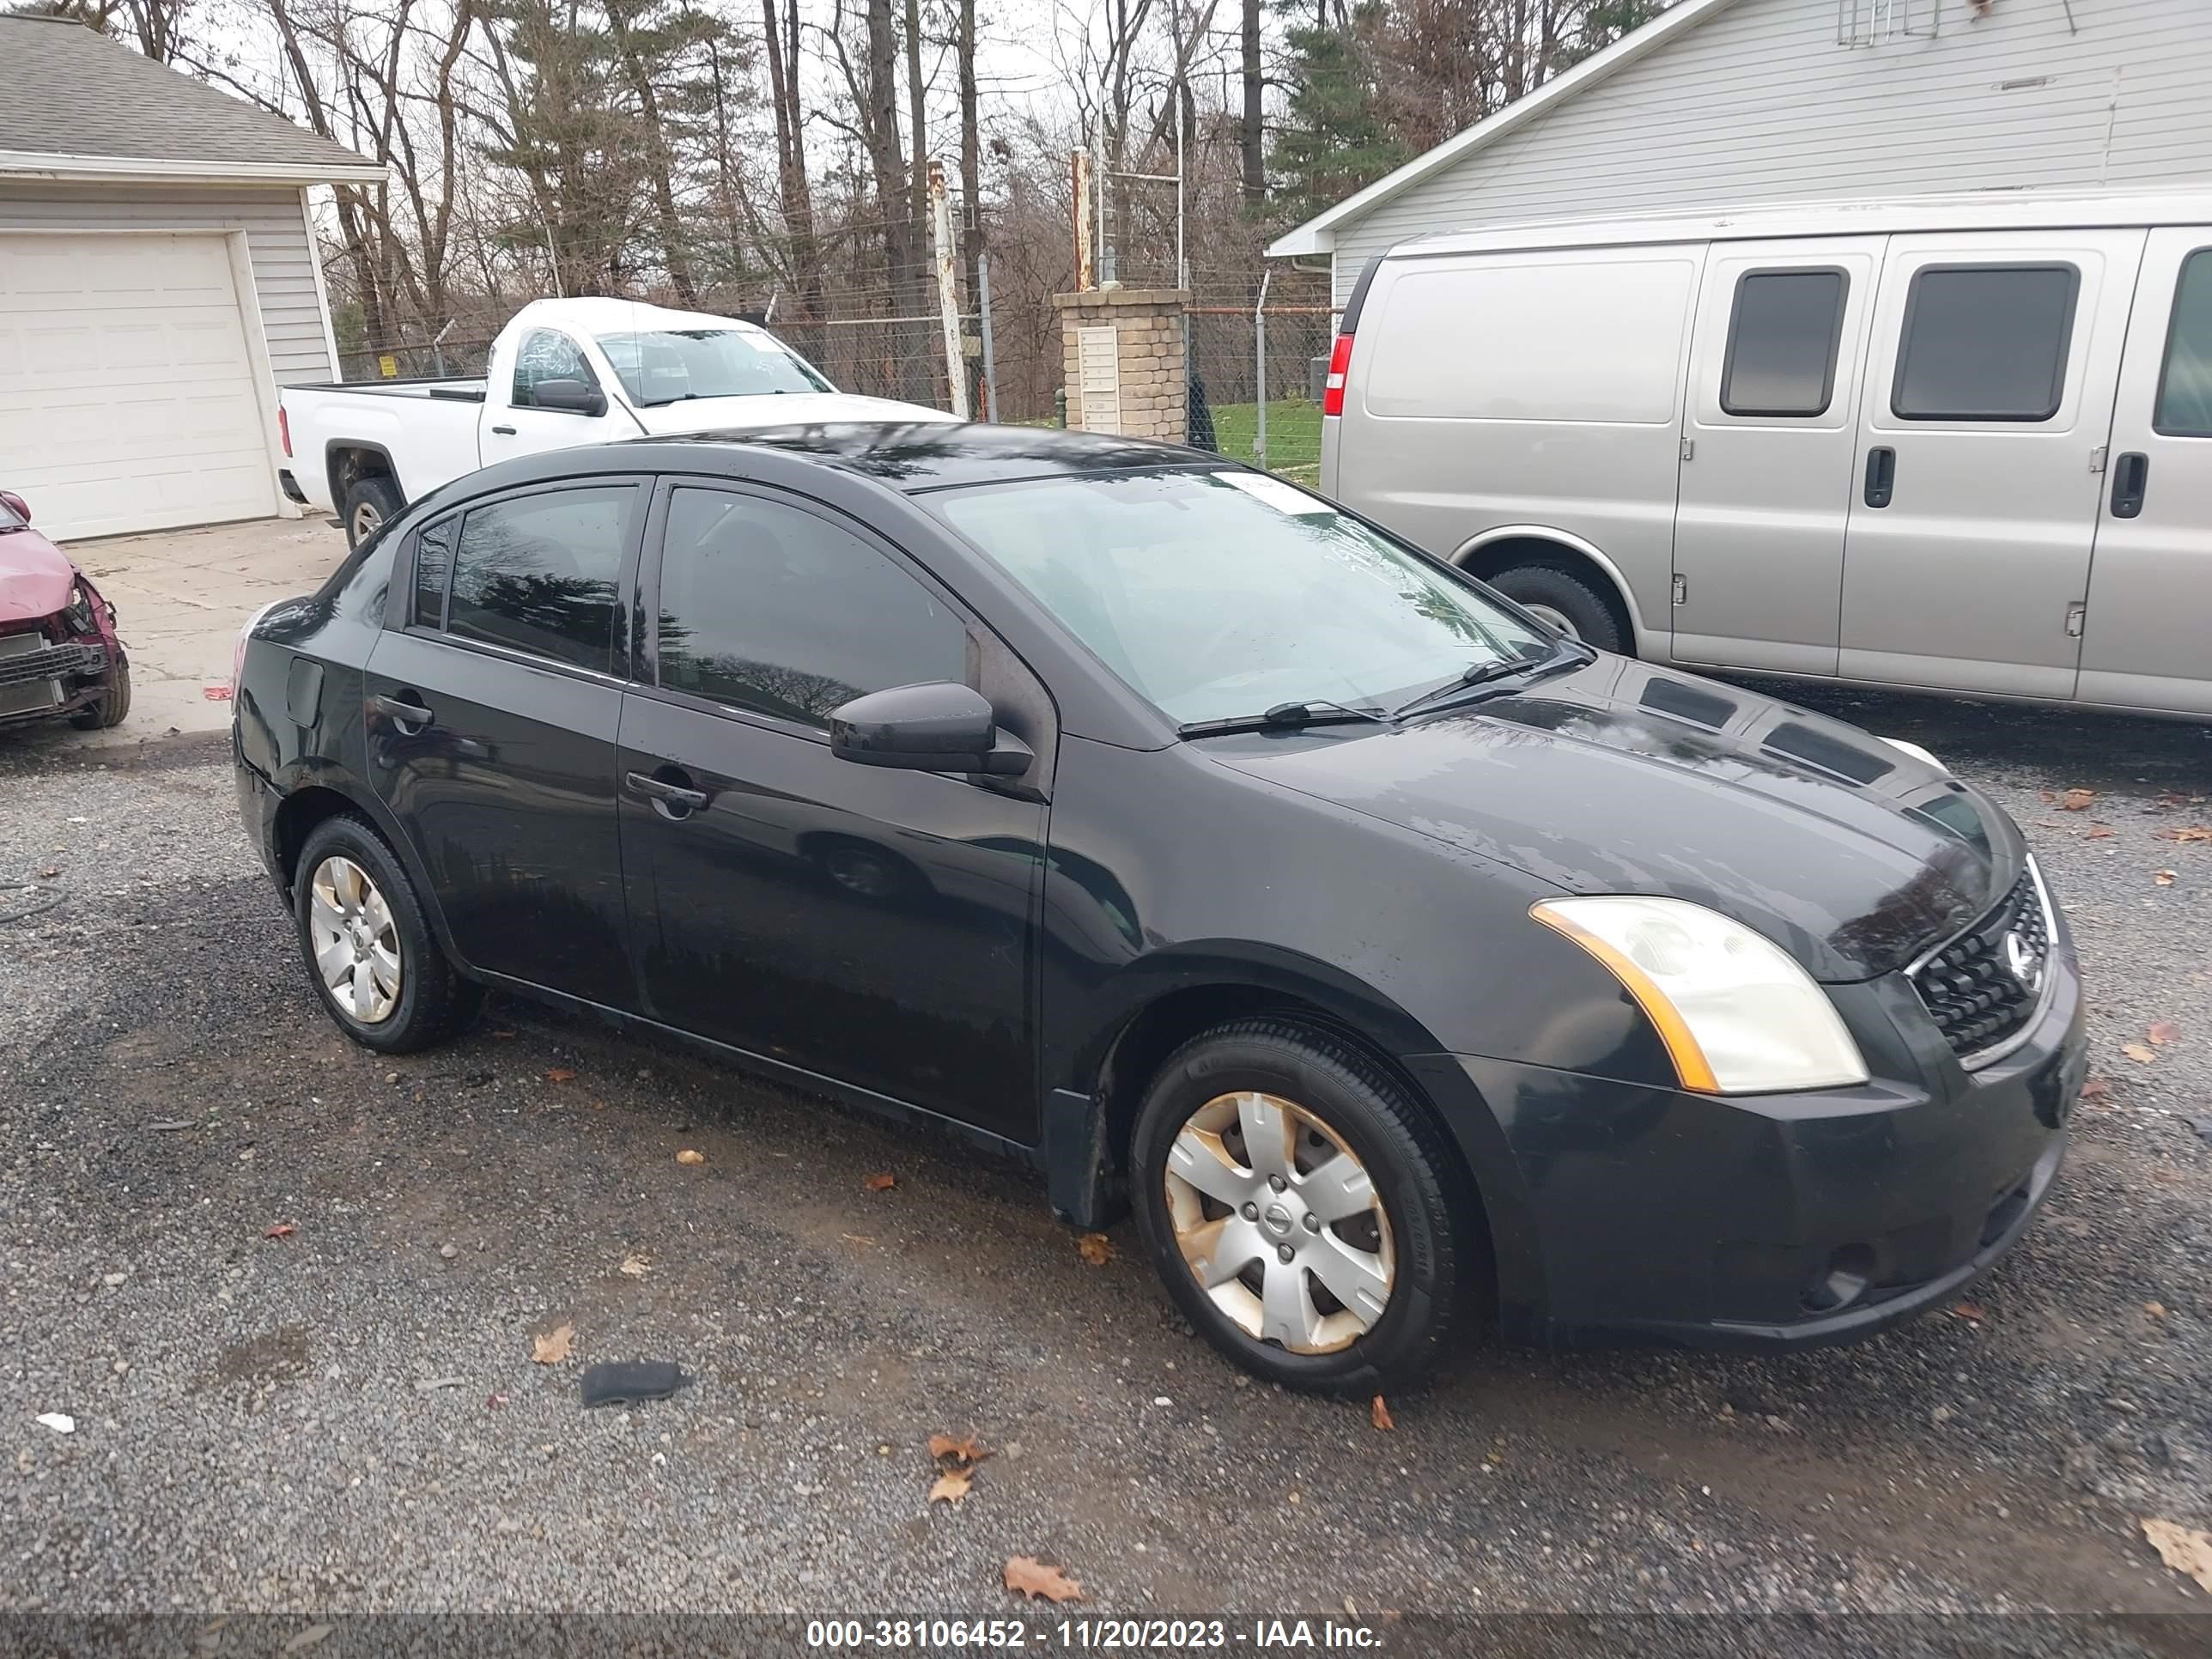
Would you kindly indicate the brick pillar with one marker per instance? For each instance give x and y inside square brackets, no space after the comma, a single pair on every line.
[1147,394]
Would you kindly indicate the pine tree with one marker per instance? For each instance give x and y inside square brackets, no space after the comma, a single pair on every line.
[1333,139]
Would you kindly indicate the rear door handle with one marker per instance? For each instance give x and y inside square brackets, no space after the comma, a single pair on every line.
[403,712]
[1880,476]
[2131,477]
[504,431]
[671,800]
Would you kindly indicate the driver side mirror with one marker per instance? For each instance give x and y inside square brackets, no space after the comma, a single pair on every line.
[937,727]
[571,397]
[16,504]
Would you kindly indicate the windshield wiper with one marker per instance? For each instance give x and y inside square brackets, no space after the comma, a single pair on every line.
[1284,717]
[1561,653]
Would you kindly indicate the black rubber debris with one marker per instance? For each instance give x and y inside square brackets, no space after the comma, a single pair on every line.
[626,1381]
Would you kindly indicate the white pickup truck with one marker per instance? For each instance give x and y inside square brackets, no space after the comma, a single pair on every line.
[563,373]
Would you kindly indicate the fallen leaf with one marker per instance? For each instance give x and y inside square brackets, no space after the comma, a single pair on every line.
[2098,832]
[306,1638]
[281,1229]
[966,1450]
[2092,1087]
[1096,1248]
[1969,1310]
[880,1184]
[2074,801]
[552,1347]
[561,1074]
[1027,1576]
[2163,878]
[952,1486]
[2185,1549]
[1379,1414]
[50,872]
[2162,1032]
[2185,833]
[495,1400]
[636,1265]
[687,1156]
[2155,1309]
[2137,1053]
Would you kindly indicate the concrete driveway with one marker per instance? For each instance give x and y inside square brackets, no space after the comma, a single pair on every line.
[180,597]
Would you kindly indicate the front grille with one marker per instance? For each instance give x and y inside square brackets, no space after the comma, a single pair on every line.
[1984,986]
[53,662]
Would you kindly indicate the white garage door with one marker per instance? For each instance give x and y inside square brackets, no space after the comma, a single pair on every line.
[127,399]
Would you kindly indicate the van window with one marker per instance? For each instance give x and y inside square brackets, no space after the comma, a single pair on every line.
[1985,343]
[1592,340]
[1782,343]
[2184,385]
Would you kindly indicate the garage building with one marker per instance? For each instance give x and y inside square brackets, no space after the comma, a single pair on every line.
[158,282]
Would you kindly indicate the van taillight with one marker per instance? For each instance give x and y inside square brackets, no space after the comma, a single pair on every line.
[1332,392]
[284,428]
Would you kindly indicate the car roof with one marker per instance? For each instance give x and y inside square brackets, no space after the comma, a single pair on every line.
[915,456]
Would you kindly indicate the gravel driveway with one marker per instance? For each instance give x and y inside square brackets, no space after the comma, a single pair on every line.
[347,1416]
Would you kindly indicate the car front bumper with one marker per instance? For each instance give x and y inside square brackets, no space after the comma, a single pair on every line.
[1661,1215]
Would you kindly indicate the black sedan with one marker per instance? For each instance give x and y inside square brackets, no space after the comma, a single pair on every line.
[1406,967]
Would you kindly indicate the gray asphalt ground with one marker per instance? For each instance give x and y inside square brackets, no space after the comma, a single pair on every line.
[348,1418]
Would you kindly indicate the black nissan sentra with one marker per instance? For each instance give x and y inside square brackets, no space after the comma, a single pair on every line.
[1408,970]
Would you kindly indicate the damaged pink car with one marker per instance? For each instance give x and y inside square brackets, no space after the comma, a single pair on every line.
[59,658]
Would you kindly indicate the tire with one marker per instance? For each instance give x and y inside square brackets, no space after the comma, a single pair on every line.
[1434,1262]
[370,504]
[1564,600]
[113,708]
[417,1003]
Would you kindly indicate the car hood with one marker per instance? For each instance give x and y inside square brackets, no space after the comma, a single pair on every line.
[35,577]
[1619,778]
[780,408]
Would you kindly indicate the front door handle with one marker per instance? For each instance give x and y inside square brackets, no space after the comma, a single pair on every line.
[1881,475]
[409,714]
[2131,477]
[504,431]
[670,800]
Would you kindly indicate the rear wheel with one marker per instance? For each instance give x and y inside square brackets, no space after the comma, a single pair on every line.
[369,505]
[368,946]
[1305,1214]
[1565,601]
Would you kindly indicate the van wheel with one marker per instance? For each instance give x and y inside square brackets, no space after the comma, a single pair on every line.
[368,946]
[1305,1215]
[1563,601]
[371,503]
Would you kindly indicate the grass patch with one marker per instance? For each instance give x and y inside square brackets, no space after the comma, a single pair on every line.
[1293,436]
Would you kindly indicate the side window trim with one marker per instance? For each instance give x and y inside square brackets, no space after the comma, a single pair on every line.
[1835,342]
[621,646]
[2166,355]
[645,667]
[2065,353]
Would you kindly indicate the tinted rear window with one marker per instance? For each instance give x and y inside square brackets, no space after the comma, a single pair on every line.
[538,573]
[1782,343]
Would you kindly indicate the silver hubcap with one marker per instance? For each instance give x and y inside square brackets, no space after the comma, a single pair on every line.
[356,944]
[366,519]
[1553,617]
[1279,1222]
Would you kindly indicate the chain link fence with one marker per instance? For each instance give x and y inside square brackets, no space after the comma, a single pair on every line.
[1255,377]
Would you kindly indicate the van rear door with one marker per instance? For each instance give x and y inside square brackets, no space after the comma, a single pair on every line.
[2150,586]
[1772,432]
[1994,362]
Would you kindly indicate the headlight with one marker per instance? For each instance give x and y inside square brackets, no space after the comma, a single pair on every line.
[1737,1014]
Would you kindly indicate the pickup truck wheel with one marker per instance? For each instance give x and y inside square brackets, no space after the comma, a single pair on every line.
[370,501]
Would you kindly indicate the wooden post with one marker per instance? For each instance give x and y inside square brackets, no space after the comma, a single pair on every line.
[1079,160]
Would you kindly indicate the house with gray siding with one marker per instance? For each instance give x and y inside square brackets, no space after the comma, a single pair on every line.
[158,282]
[1722,103]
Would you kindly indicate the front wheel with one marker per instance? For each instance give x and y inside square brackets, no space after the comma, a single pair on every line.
[368,946]
[114,705]
[1306,1215]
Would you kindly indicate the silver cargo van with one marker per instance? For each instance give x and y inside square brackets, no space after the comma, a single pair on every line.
[1950,444]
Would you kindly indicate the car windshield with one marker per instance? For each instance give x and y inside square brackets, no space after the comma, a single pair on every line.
[668,365]
[9,519]
[1221,595]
